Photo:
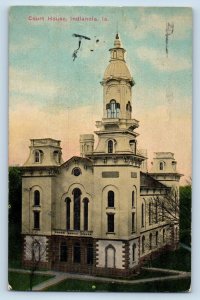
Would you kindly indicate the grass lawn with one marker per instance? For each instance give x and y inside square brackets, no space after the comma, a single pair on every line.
[175,260]
[70,285]
[20,281]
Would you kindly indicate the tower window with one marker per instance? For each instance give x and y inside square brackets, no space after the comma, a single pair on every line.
[77,208]
[129,107]
[133,199]
[38,156]
[161,165]
[111,199]
[110,146]
[110,220]
[113,109]
[36,198]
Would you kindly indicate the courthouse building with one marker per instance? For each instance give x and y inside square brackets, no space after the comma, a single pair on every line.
[100,212]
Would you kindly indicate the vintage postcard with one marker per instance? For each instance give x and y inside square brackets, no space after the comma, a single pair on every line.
[100,114]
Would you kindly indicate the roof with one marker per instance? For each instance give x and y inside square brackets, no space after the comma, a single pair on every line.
[147,181]
[75,159]
[117,68]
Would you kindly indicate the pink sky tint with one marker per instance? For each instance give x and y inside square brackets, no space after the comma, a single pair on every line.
[160,130]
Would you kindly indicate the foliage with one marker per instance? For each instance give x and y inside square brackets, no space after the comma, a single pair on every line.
[20,281]
[185,214]
[70,285]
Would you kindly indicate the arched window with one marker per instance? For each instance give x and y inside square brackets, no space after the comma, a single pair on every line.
[77,200]
[150,241]
[90,254]
[36,251]
[143,244]
[112,109]
[57,156]
[110,256]
[68,201]
[128,106]
[110,146]
[133,199]
[111,199]
[133,252]
[161,165]
[36,198]
[85,212]
[142,215]
[38,156]
[63,251]
[77,253]
[114,54]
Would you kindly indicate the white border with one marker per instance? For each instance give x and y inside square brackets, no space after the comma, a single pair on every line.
[4,4]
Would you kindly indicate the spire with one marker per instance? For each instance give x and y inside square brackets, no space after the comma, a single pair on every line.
[117,42]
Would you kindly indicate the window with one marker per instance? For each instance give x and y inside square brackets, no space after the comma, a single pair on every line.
[36,251]
[163,235]
[68,200]
[111,199]
[150,241]
[85,212]
[163,212]
[36,198]
[128,106]
[133,252]
[156,212]
[63,251]
[111,225]
[142,215]
[90,254]
[77,253]
[133,222]
[77,208]
[143,244]
[57,156]
[133,199]
[76,172]
[161,165]
[156,238]
[110,146]
[36,216]
[110,252]
[38,156]
[112,109]
[150,213]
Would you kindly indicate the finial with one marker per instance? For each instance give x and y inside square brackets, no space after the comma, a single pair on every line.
[117,42]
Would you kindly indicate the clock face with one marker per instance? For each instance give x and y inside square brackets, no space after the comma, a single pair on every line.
[76,172]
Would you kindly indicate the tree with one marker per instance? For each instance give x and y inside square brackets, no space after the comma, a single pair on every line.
[185,213]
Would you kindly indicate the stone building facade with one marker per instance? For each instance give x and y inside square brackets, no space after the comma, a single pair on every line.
[100,212]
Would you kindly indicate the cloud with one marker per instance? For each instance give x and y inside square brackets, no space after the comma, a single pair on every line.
[156,24]
[159,61]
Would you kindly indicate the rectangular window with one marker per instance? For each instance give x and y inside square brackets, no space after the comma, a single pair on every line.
[77,253]
[133,222]
[111,225]
[36,219]
[89,254]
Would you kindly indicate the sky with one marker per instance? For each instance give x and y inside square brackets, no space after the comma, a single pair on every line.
[50,95]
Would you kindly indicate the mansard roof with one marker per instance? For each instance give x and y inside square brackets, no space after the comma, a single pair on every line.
[148,182]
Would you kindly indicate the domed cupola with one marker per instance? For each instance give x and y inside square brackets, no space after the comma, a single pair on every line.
[117,83]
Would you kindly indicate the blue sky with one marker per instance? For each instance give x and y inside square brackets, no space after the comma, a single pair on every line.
[46,83]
